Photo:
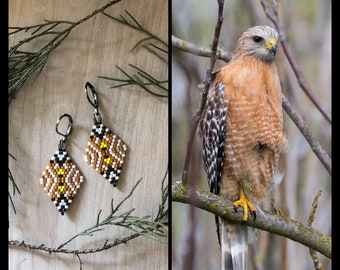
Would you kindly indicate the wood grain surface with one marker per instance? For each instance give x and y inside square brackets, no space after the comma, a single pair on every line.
[92,49]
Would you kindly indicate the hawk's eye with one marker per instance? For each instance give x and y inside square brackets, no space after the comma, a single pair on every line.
[257,39]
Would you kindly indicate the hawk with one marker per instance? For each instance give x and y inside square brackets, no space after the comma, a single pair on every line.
[242,133]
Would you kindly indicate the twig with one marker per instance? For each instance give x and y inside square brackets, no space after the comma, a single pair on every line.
[271,222]
[199,50]
[140,225]
[150,229]
[15,187]
[80,262]
[137,26]
[50,250]
[314,143]
[137,79]
[273,16]
[314,255]
[141,78]
[207,82]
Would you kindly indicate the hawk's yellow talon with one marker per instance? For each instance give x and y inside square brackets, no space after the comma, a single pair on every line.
[246,204]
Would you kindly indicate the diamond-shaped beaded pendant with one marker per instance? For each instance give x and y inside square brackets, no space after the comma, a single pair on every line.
[105,152]
[61,180]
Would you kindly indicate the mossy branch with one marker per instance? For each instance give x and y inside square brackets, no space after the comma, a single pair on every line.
[275,223]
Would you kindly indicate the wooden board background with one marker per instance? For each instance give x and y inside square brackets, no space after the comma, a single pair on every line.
[140,119]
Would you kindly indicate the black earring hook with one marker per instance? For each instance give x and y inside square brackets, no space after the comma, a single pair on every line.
[62,143]
[94,102]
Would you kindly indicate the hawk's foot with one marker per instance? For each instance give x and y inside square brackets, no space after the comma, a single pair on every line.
[246,204]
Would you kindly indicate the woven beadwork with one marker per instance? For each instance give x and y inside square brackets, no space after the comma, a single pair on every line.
[105,152]
[61,179]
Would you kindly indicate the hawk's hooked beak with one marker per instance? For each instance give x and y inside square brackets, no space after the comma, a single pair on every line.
[273,49]
[272,46]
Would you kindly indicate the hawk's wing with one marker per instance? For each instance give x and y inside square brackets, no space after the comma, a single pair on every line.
[213,134]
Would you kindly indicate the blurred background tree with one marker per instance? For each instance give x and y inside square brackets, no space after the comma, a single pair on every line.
[307,25]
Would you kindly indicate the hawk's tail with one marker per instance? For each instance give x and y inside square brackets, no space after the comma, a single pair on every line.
[234,246]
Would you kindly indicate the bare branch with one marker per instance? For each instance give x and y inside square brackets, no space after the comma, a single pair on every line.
[273,16]
[275,223]
[197,116]
[312,252]
[314,143]
[199,50]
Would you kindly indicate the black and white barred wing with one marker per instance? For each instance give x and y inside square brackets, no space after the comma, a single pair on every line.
[213,134]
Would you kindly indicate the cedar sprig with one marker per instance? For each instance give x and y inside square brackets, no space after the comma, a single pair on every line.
[133,23]
[141,226]
[139,77]
[22,64]
[153,230]
[142,79]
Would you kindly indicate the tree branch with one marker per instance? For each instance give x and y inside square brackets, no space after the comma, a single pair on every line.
[197,116]
[199,50]
[275,223]
[273,16]
[317,264]
[305,131]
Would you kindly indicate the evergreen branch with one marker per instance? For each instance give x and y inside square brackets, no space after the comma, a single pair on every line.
[137,79]
[139,225]
[162,215]
[22,64]
[50,250]
[271,222]
[148,77]
[141,78]
[137,26]
[108,220]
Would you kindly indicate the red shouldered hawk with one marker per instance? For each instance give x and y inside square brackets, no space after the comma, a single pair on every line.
[242,131]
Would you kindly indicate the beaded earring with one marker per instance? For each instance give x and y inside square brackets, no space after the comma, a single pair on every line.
[105,151]
[61,179]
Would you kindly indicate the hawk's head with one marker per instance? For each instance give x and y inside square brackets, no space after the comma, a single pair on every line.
[259,42]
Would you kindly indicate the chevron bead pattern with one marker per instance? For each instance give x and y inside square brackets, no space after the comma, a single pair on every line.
[105,152]
[61,180]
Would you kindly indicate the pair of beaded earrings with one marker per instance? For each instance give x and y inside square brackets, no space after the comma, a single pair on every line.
[105,152]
